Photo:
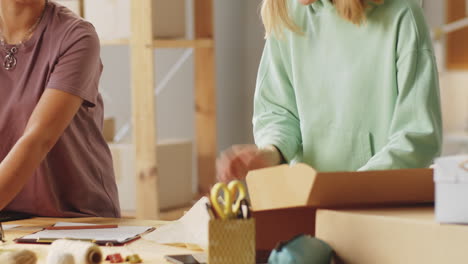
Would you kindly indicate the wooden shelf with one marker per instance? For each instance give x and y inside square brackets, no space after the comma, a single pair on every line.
[457,53]
[183,43]
[115,42]
[166,43]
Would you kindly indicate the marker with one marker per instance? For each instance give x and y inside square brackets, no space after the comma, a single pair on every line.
[80,227]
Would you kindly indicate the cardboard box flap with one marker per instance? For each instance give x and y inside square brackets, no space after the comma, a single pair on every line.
[269,187]
[340,189]
[300,185]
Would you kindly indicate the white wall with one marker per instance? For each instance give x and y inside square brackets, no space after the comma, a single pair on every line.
[454,88]
[175,120]
[253,43]
[230,22]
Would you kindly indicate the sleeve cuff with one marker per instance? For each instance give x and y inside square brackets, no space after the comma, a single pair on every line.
[89,100]
[287,149]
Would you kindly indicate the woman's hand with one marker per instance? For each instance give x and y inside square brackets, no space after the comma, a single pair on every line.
[236,162]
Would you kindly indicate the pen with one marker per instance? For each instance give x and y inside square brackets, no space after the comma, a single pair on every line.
[80,227]
[210,211]
[245,209]
[51,240]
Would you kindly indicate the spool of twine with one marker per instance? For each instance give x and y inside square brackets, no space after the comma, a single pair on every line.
[80,252]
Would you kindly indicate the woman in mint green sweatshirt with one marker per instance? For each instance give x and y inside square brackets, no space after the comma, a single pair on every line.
[343,85]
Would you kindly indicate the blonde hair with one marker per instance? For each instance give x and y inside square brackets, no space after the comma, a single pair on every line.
[275,14]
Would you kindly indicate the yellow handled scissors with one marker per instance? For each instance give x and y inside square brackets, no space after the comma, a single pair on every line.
[233,194]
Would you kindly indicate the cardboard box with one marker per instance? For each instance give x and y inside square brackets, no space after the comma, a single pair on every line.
[175,174]
[274,226]
[451,177]
[108,129]
[169,19]
[111,18]
[391,236]
[283,197]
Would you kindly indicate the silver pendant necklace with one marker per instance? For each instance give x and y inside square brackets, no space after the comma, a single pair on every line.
[10,61]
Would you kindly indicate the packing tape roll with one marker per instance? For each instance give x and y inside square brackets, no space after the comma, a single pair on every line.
[81,252]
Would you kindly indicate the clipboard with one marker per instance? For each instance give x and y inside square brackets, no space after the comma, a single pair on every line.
[108,236]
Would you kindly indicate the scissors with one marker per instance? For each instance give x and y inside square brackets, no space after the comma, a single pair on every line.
[233,194]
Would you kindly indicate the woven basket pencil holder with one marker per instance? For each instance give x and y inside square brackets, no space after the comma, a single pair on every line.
[231,241]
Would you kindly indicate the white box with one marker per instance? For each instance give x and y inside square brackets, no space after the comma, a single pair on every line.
[451,197]
[175,174]
[111,18]
[73,5]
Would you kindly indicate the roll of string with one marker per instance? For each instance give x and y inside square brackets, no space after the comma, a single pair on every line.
[65,251]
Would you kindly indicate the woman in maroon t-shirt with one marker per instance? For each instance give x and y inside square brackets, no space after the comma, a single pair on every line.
[53,158]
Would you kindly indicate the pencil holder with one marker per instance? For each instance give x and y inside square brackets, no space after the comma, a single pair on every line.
[231,241]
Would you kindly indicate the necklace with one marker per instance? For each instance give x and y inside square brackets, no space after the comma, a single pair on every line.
[10,60]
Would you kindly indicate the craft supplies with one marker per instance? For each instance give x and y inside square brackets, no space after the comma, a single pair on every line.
[210,211]
[232,196]
[82,252]
[190,231]
[232,233]
[18,257]
[60,258]
[302,249]
[135,258]
[187,259]
[115,258]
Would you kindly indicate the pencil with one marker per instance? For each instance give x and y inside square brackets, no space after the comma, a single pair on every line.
[80,227]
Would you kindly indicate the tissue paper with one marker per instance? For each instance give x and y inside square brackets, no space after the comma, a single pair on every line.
[190,231]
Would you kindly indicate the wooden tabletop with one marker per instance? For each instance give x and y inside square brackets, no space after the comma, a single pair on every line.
[149,251]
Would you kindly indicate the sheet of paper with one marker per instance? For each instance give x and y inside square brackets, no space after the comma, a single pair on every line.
[202,257]
[191,229]
[8,227]
[119,234]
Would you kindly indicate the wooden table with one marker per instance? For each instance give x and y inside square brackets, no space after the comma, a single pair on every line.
[149,251]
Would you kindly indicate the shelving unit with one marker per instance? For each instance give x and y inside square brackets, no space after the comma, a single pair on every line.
[457,42]
[166,43]
[184,43]
[142,47]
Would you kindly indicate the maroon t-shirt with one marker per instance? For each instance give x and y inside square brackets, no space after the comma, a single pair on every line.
[76,178]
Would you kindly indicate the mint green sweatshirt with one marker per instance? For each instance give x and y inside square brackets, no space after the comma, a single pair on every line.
[345,97]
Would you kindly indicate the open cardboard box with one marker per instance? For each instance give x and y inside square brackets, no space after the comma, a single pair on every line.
[285,198]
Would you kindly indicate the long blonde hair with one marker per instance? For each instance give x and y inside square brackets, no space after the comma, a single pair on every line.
[276,17]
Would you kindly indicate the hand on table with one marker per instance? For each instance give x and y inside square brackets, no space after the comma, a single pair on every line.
[236,162]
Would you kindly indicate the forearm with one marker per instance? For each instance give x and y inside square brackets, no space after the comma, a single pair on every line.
[408,150]
[272,154]
[20,164]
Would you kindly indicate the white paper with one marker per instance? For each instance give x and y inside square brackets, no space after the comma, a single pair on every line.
[8,227]
[119,234]
[451,169]
[191,229]
[202,257]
